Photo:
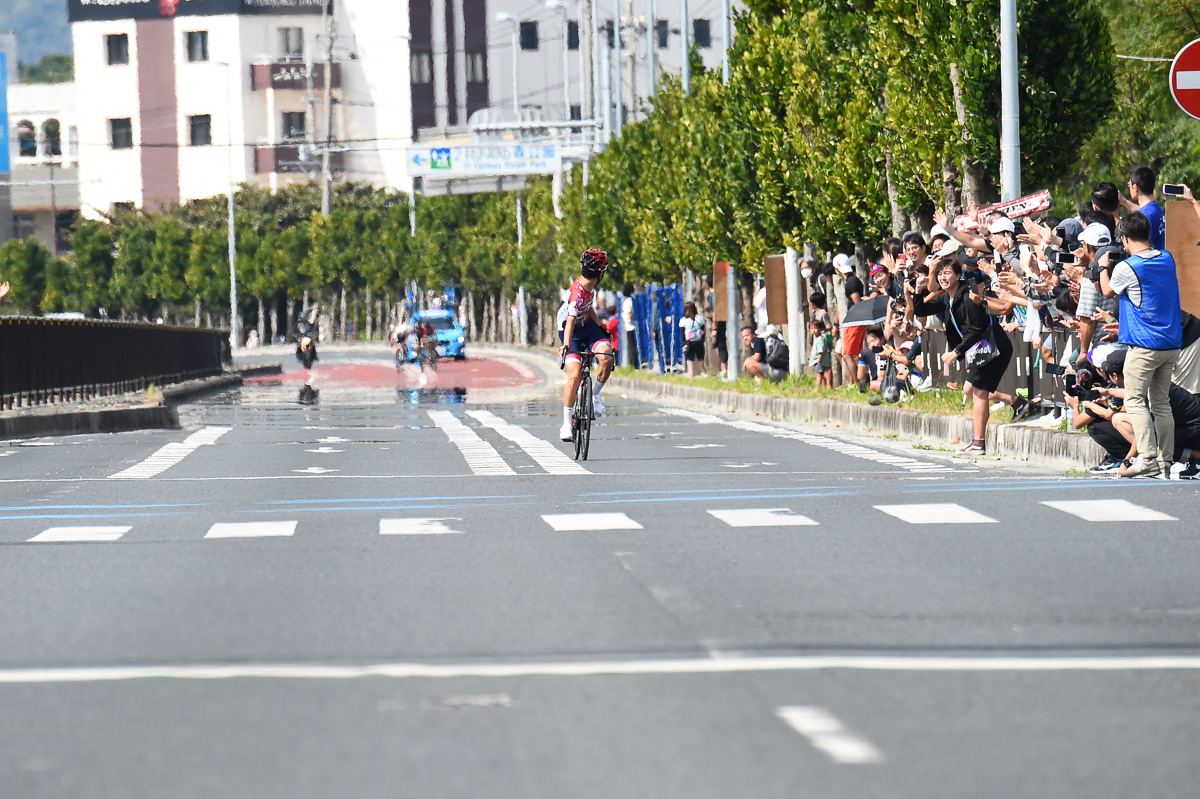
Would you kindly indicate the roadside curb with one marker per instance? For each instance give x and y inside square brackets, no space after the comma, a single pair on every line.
[1051,448]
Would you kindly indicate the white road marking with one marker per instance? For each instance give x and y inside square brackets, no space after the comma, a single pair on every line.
[937,513]
[697,446]
[61,535]
[315,470]
[738,465]
[726,665]
[1109,510]
[332,440]
[543,453]
[324,450]
[853,450]
[171,454]
[563,522]
[417,526]
[481,456]
[251,529]
[828,734]
[762,517]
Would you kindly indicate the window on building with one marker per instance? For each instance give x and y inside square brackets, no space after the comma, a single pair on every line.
[293,125]
[120,133]
[702,33]
[662,31]
[607,30]
[72,140]
[52,136]
[118,48]
[200,128]
[576,113]
[123,206]
[421,66]
[476,67]
[197,46]
[26,139]
[291,43]
[572,35]
[529,36]
[24,226]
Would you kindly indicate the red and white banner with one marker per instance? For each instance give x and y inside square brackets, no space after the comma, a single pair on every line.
[1014,209]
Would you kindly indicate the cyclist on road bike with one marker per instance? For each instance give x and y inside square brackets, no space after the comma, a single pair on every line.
[579,330]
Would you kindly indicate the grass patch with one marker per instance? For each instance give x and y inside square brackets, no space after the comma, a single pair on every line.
[943,401]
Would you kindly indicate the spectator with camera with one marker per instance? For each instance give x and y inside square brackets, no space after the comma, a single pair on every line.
[1141,198]
[1094,307]
[1151,327]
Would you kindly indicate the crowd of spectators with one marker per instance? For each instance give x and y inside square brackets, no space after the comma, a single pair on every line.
[1095,295]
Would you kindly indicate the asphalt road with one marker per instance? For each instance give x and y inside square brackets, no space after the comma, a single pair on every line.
[403,586]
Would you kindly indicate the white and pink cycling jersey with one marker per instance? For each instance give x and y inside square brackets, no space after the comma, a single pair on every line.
[578,304]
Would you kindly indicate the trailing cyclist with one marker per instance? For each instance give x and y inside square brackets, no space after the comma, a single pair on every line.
[579,330]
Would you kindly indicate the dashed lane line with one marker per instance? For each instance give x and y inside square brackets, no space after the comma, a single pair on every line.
[63,535]
[543,453]
[1109,510]
[935,513]
[171,454]
[480,456]
[423,526]
[762,517]
[251,530]
[845,448]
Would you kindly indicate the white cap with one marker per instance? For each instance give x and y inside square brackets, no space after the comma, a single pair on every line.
[841,262]
[1002,225]
[949,248]
[938,230]
[1096,235]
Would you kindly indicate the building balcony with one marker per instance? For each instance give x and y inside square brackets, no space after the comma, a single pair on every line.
[291,75]
[286,159]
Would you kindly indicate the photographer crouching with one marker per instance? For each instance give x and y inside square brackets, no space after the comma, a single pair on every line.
[1151,326]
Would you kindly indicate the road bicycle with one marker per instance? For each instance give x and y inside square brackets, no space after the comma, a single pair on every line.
[584,412]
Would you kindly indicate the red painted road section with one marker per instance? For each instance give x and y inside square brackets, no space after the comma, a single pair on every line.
[471,374]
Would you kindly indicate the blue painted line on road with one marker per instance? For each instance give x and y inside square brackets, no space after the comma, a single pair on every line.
[721,497]
[88,516]
[350,509]
[392,499]
[108,507]
[702,490]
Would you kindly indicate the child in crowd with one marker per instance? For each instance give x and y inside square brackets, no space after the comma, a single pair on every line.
[820,356]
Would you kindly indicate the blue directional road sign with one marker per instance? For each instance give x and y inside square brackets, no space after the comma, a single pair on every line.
[483,160]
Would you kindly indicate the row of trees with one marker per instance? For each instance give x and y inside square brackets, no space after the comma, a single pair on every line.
[843,121]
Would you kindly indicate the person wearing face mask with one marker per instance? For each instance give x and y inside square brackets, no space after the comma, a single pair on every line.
[969,331]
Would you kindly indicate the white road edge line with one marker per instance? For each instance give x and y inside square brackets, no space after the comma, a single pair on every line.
[731,665]
[543,452]
[825,732]
[170,454]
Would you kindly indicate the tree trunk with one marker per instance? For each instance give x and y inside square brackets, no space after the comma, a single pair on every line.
[289,315]
[341,335]
[262,321]
[899,219]
[208,320]
[949,187]
[274,320]
[472,319]
[304,306]
[197,306]
[370,320]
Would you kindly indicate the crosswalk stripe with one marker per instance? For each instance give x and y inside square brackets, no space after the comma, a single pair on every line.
[60,535]
[543,452]
[937,513]
[761,517]
[170,454]
[251,529]
[417,526]
[825,732]
[481,456]
[570,522]
[1109,510]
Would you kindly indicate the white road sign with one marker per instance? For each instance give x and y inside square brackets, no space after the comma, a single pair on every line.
[480,160]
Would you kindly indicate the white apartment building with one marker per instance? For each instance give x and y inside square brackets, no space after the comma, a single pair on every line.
[43,152]
[177,99]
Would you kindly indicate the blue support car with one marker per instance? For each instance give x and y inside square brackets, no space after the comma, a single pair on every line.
[451,338]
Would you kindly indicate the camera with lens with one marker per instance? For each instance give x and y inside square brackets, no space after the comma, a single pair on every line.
[1114,257]
[1080,386]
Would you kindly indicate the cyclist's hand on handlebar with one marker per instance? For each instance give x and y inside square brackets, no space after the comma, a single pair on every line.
[562,356]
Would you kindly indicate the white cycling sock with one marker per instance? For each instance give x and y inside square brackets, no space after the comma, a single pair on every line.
[596,387]
[567,414]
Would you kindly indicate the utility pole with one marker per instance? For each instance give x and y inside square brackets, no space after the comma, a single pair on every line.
[652,43]
[686,73]
[326,153]
[1010,108]
[53,195]
[634,32]
[733,333]
[726,34]
[617,70]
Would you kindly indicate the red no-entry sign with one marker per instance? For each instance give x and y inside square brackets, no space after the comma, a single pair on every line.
[1185,79]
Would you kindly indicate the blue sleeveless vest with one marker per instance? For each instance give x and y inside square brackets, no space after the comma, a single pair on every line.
[1158,323]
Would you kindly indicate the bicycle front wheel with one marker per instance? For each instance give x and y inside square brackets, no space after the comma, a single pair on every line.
[586,420]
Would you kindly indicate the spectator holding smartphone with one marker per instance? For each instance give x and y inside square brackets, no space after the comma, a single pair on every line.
[1141,198]
[1151,326]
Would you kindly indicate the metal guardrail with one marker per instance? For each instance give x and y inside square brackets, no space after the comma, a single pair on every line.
[66,360]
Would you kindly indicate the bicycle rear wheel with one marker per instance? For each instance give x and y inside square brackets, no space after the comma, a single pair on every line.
[588,415]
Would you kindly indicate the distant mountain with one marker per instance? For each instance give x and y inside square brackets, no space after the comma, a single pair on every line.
[41,27]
